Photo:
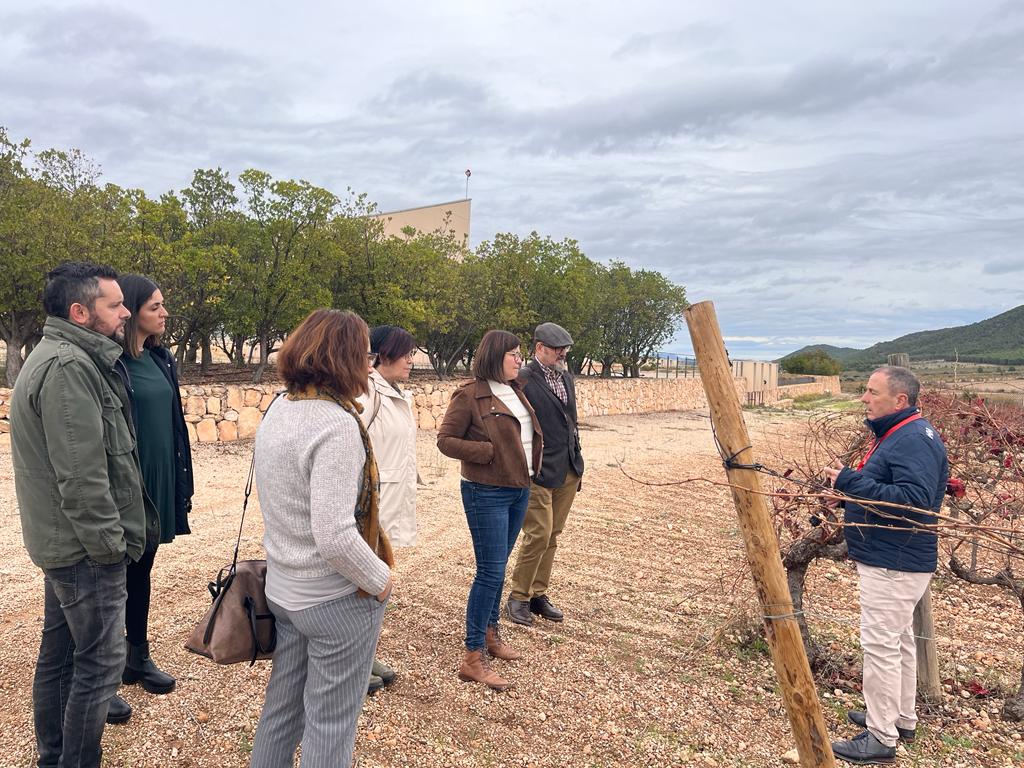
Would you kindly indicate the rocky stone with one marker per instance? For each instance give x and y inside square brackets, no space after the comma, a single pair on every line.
[249,419]
[5,426]
[252,398]
[233,398]
[227,431]
[195,405]
[265,401]
[206,431]
[213,405]
[191,431]
[231,415]
[192,418]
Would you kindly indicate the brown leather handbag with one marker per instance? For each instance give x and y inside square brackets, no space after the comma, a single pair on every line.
[239,625]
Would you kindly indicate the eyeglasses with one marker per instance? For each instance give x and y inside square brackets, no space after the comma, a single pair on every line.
[516,354]
[411,356]
[558,349]
[371,358]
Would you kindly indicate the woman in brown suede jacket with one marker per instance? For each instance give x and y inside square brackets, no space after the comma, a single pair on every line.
[491,428]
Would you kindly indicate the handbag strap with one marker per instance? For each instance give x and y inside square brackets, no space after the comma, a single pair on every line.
[248,489]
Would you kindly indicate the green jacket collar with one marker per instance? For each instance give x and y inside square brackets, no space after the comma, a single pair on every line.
[102,349]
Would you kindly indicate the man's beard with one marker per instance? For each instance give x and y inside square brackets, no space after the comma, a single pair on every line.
[116,335]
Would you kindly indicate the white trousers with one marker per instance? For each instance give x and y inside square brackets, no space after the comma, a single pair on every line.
[887,601]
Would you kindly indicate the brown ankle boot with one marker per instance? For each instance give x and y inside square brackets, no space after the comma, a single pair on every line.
[498,648]
[475,669]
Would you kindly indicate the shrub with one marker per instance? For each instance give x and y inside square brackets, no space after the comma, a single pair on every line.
[813,363]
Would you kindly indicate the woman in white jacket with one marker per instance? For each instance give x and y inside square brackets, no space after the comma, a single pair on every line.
[391,423]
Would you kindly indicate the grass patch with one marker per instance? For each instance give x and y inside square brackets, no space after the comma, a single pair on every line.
[955,742]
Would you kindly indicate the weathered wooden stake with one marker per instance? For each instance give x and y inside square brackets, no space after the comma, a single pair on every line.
[795,681]
[929,687]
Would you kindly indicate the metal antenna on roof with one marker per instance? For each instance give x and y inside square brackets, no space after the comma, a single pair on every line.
[468,174]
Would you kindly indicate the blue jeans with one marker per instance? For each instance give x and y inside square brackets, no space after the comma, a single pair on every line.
[495,515]
[81,657]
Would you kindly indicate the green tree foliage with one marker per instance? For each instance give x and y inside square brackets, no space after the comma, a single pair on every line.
[638,312]
[276,278]
[241,266]
[815,362]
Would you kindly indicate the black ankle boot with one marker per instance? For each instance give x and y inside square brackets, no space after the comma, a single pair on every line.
[140,668]
[120,711]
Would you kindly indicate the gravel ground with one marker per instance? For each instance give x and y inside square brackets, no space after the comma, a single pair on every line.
[655,664]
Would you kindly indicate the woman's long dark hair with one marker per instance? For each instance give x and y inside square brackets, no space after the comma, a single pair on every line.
[137,290]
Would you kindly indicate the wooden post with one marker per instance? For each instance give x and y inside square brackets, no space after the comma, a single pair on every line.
[929,687]
[781,629]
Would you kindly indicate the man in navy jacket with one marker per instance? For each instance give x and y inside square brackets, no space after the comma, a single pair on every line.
[895,546]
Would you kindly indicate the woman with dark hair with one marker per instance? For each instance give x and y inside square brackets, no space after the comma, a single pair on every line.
[388,416]
[328,562]
[166,463]
[491,428]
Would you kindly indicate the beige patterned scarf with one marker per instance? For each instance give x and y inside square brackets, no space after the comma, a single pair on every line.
[367,505]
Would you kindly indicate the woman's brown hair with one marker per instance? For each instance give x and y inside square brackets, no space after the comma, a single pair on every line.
[489,358]
[137,290]
[328,349]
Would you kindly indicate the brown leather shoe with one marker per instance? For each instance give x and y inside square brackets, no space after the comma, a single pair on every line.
[498,648]
[475,669]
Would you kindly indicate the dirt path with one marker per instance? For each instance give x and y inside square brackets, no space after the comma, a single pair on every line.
[655,664]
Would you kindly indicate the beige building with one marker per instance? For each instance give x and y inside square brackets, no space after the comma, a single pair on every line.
[452,217]
[759,374]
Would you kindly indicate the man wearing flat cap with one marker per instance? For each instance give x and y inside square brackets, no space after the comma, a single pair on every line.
[550,389]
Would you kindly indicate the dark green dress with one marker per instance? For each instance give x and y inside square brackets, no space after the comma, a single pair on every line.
[153,399]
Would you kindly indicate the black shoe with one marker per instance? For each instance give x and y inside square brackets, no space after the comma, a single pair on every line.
[141,669]
[864,749]
[861,719]
[374,685]
[383,671]
[119,711]
[542,606]
[519,611]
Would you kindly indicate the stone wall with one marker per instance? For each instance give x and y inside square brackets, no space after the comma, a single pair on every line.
[821,385]
[219,413]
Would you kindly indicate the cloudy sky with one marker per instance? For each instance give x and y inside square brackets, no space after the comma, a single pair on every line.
[841,172]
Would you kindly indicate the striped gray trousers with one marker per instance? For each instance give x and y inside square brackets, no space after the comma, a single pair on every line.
[317,684]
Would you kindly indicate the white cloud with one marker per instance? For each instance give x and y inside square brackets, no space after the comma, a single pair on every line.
[849,173]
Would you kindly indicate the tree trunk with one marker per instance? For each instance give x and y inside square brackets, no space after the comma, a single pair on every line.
[20,330]
[238,351]
[796,560]
[207,357]
[14,342]
[257,375]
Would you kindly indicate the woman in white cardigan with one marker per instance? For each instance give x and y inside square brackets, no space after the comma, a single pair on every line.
[390,421]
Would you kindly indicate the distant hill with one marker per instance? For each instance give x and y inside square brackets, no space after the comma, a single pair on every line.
[842,354]
[998,339]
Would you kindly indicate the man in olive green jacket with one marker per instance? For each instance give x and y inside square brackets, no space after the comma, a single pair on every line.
[82,505]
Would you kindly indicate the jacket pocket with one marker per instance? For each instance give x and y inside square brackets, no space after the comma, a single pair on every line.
[117,438]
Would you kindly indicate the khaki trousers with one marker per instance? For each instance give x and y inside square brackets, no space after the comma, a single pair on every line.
[545,519]
[887,600]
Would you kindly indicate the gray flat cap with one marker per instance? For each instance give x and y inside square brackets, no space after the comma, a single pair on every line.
[551,335]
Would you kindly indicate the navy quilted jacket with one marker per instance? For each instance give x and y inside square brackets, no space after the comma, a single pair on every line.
[909,467]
